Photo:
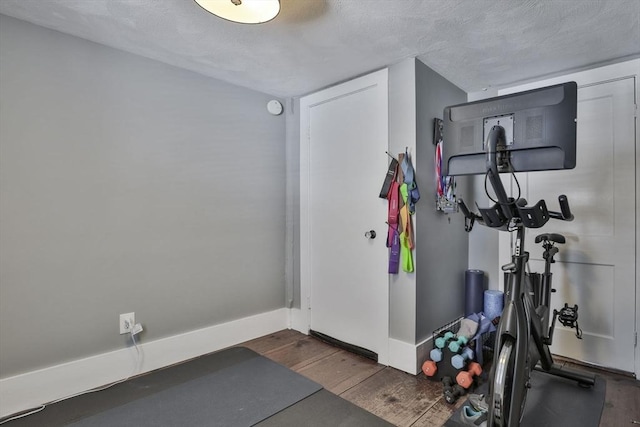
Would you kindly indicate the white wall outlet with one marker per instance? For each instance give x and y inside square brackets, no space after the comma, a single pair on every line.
[127,322]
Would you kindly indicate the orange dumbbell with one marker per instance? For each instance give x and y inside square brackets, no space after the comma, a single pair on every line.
[429,368]
[465,378]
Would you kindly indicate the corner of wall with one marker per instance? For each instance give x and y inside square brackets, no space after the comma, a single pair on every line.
[441,242]
[402,135]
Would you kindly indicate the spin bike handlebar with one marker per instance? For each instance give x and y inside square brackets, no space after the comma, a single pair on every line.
[565,211]
[531,216]
[506,208]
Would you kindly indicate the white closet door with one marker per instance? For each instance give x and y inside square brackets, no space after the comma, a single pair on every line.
[596,267]
[344,136]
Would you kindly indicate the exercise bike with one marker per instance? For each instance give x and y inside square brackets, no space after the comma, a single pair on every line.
[523,335]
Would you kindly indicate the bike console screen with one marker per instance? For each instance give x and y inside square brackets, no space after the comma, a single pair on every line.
[538,132]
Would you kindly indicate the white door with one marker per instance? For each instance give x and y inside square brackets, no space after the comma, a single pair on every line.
[344,281]
[596,267]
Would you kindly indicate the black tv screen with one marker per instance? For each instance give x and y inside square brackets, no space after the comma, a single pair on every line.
[540,131]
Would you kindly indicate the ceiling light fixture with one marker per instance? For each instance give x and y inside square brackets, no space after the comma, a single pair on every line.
[242,11]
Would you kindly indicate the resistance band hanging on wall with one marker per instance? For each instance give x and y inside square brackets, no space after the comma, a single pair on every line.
[401,191]
[391,193]
[410,180]
[406,237]
[393,236]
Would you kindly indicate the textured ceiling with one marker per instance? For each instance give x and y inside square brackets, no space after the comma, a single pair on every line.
[315,43]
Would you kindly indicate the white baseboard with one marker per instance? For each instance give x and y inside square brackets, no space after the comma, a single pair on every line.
[298,321]
[422,352]
[34,388]
[402,355]
[408,357]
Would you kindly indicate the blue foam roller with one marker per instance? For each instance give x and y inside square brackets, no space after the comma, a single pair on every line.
[493,303]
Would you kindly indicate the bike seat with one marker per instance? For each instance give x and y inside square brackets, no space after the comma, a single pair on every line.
[552,237]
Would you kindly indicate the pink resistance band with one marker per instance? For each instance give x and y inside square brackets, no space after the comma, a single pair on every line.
[393,236]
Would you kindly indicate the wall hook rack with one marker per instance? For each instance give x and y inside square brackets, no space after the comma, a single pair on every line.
[391,156]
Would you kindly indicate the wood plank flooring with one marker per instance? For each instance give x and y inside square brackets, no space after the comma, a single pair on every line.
[400,398]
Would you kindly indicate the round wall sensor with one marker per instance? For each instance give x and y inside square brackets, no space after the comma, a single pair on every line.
[274,107]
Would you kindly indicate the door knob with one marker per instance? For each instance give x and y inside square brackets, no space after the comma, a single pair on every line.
[371,234]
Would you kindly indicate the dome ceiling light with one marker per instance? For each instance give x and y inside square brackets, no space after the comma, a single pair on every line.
[242,11]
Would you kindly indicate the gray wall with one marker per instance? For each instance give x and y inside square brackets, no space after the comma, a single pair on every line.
[128,185]
[434,294]
[441,242]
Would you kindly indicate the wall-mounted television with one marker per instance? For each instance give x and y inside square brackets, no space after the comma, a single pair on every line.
[539,131]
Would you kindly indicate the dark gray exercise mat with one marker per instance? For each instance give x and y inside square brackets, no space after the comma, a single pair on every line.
[554,401]
[242,394]
[323,409]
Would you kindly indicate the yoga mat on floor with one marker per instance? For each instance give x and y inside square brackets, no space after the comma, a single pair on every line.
[242,394]
[324,409]
[554,401]
[473,292]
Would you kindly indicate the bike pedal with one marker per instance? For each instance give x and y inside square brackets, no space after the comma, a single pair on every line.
[568,315]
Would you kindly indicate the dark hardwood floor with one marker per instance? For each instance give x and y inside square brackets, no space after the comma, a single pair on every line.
[401,398]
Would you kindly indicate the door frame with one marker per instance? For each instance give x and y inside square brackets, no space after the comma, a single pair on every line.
[622,70]
[301,319]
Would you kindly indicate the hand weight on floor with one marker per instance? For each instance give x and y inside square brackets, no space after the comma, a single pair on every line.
[429,368]
[465,378]
[436,355]
[451,390]
[456,345]
[459,360]
[441,342]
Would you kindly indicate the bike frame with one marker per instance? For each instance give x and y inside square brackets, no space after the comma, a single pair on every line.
[520,321]
[514,323]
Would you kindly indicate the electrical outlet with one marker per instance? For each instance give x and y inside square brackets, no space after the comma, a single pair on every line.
[127,322]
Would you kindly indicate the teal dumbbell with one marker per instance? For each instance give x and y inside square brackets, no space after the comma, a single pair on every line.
[441,342]
[436,355]
[459,360]
[457,344]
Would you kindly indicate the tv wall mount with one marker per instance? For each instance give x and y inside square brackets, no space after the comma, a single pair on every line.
[505,121]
